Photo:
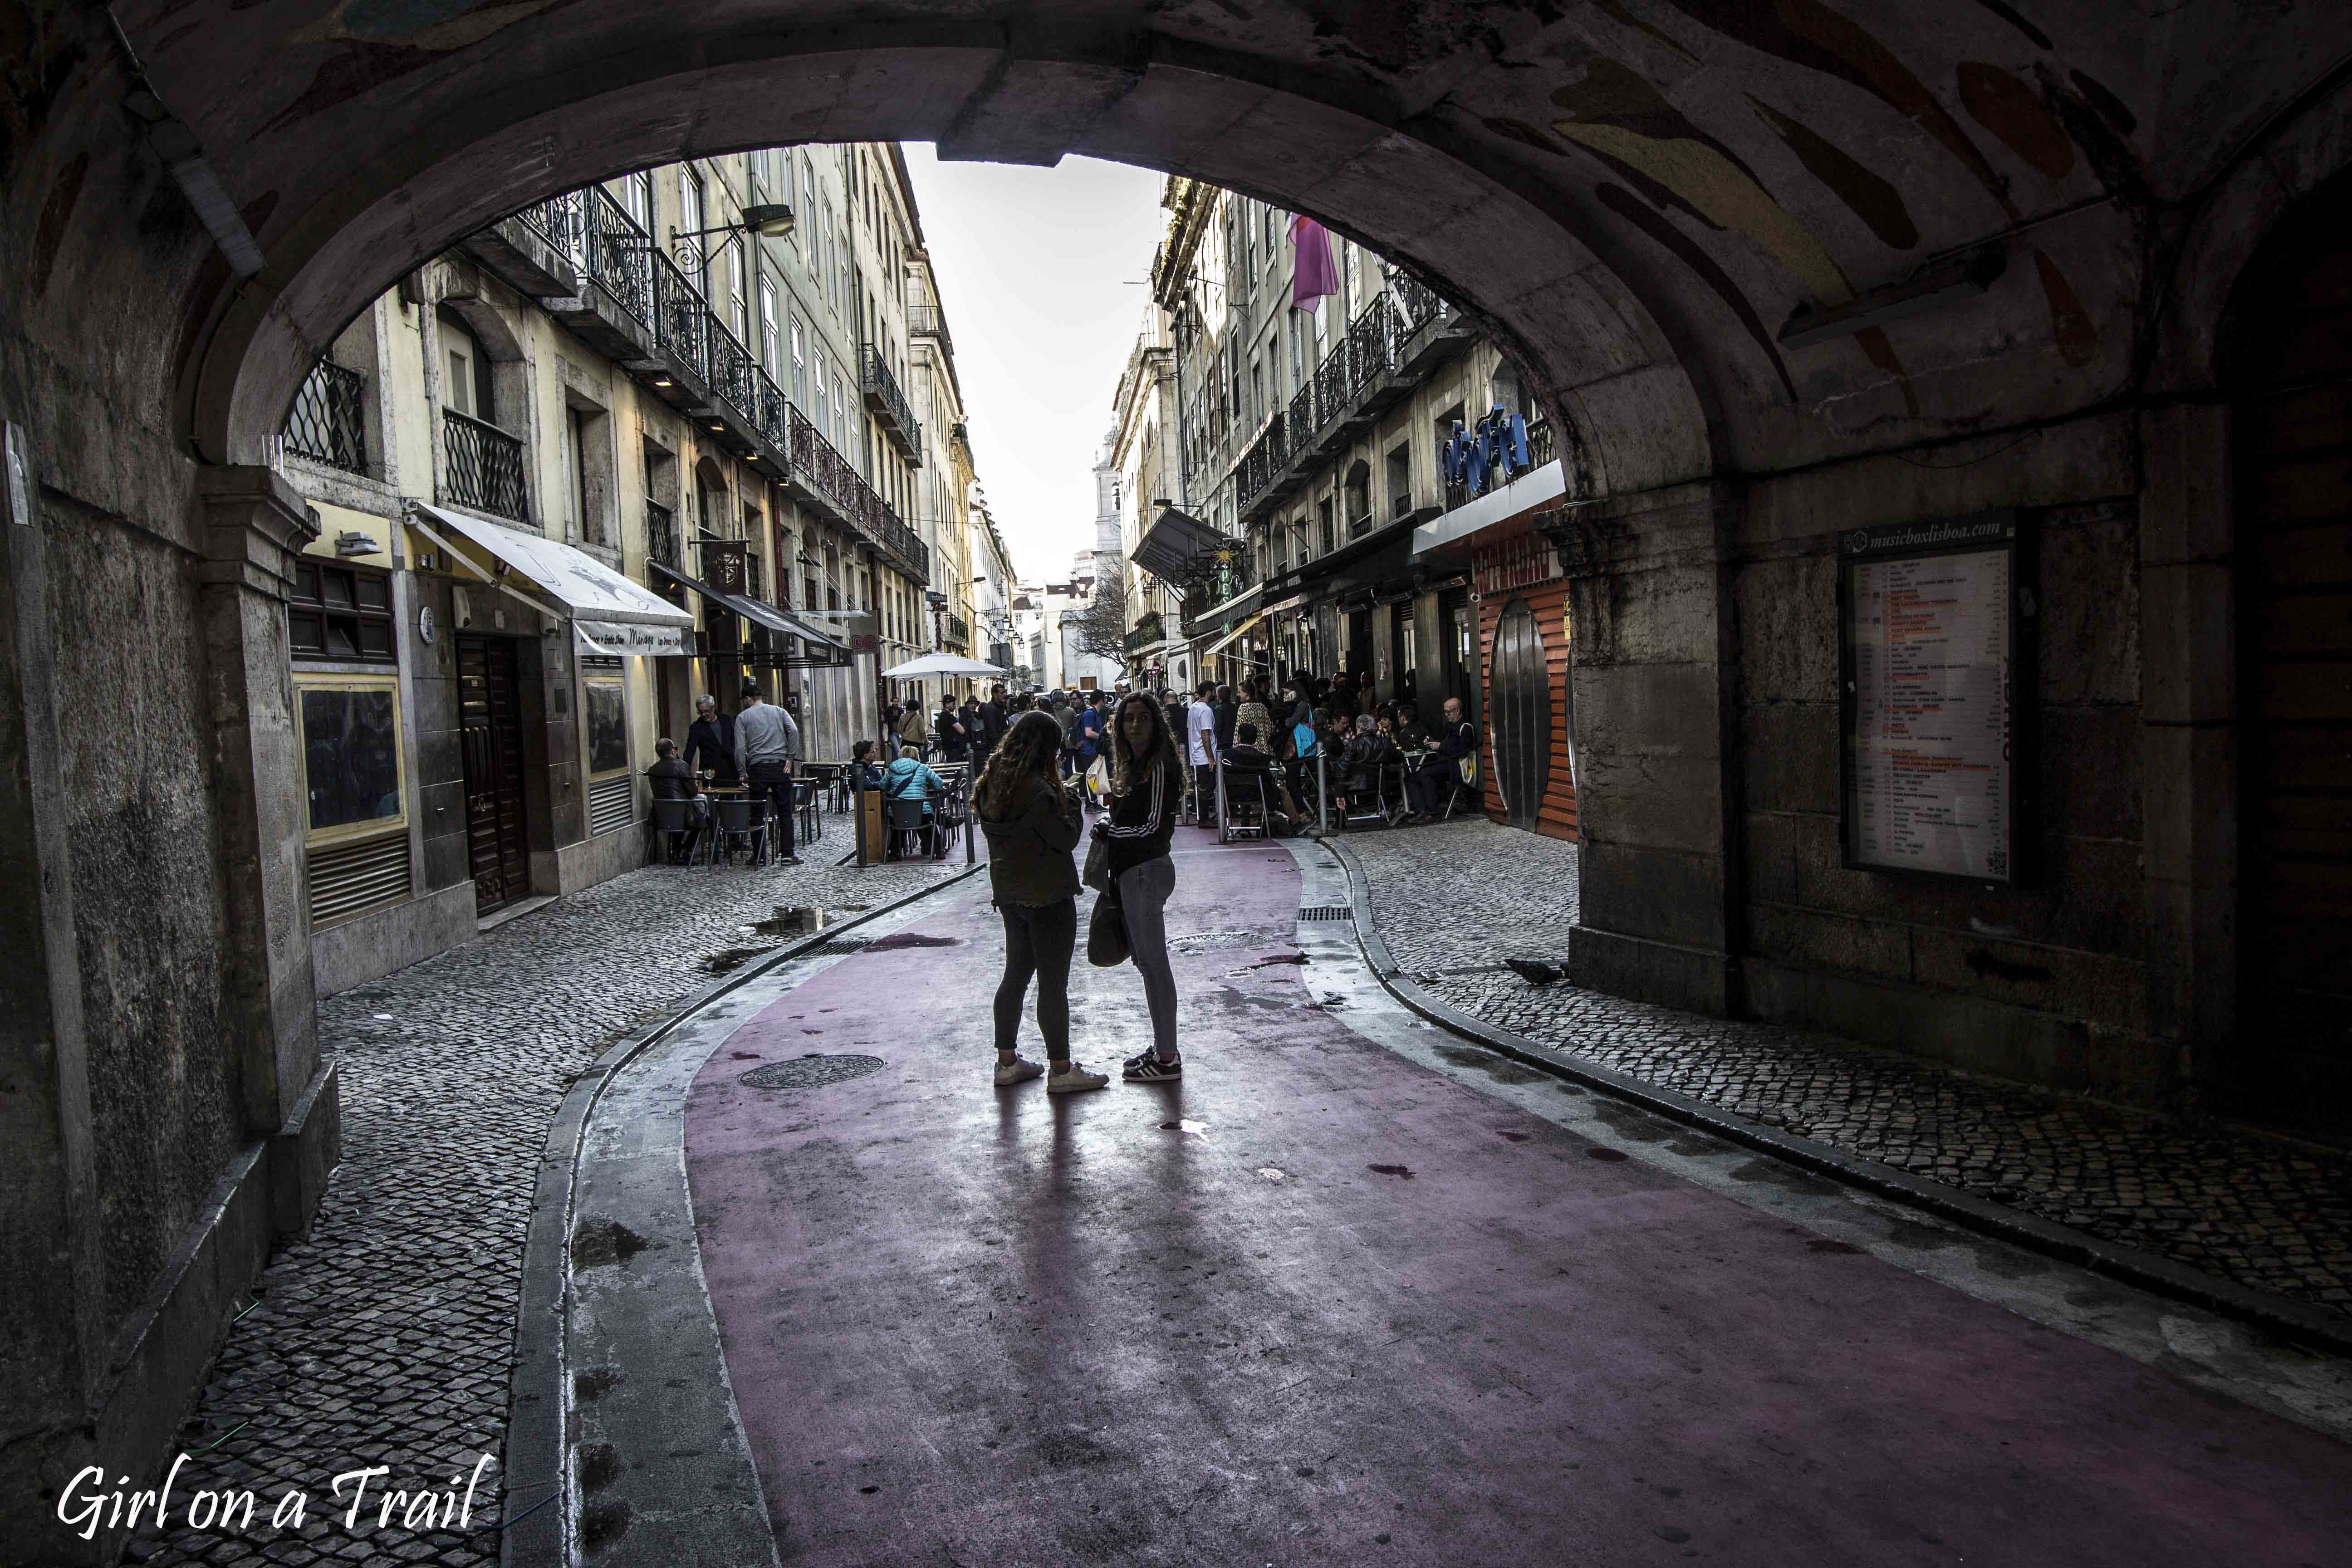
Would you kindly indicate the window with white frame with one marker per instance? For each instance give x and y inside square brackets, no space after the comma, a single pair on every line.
[689,221]
[738,315]
[800,370]
[822,412]
[770,351]
[637,197]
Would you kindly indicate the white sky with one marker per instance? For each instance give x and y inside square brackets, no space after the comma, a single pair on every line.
[1035,267]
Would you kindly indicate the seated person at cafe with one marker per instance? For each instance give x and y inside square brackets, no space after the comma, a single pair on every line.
[1249,766]
[1428,785]
[1368,751]
[1410,735]
[910,778]
[671,779]
[710,744]
[863,768]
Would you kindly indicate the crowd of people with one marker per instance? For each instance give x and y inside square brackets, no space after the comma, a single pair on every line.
[1375,754]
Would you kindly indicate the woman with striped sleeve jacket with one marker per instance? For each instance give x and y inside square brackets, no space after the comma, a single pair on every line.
[1147,787]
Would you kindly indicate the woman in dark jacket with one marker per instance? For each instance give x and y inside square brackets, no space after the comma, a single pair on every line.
[1031,823]
[1146,786]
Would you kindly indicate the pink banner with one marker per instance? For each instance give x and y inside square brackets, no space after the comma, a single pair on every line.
[1316,274]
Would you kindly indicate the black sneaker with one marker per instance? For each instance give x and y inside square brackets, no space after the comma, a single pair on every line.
[1147,1068]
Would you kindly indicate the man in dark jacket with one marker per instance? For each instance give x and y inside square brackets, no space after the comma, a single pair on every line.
[954,740]
[1429,784]
[1228,713]
[710,744]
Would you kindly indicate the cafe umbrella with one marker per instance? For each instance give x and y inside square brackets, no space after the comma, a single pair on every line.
[932,664]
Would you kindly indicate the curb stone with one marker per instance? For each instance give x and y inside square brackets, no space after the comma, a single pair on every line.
[2149,1272]
[534,1461]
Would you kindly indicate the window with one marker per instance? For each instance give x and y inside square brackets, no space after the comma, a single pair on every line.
[1272,236]
[575,458]
[1399,481]
[736,316]
[350,735]
[689,219]
[824,409]
[1257,390]
[800,371]
[468,369]
[843,412]
[1298,357]
[637,197]
[605,713]
[768,348]
[341,613]
[1325,526]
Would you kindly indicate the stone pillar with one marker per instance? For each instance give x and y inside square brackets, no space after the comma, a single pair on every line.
[52,1318]
[2188,738]
[1659,865]
[254,524]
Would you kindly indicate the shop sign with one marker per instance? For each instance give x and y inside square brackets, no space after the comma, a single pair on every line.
[620,638]
[724,567]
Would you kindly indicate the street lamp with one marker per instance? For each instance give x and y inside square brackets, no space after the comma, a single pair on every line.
[769,220]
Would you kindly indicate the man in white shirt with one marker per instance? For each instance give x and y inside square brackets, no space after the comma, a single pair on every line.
[1201,750]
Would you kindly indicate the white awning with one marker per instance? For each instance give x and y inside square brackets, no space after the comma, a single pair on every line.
[582,584]
[619,640]
[1547,483]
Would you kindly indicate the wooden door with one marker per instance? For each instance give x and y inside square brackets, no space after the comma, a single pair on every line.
[490,736]
[2293,421]
[1518,714]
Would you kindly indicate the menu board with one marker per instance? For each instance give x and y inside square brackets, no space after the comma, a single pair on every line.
[1930,660]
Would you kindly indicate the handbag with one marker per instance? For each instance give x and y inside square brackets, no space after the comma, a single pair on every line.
[1098,872]
[1107,945]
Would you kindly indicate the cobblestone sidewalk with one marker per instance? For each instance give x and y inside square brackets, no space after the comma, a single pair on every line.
[383,1339]
[2270,1214]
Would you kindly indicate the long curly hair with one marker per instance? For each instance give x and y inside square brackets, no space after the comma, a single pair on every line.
[1024,762]
[1128,773]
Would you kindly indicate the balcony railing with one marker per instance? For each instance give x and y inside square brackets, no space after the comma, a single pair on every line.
[924,320]
[329,419]
[661,535]
[485,467]
[606,243]
[958,631]
[882,395]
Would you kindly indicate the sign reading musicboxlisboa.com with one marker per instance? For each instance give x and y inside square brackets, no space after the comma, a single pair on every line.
[1930,621]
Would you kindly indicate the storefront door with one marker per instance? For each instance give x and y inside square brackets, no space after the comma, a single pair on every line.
[490,736]
[1520,713]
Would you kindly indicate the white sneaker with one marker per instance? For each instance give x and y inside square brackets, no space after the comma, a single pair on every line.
[1076,1080]
[1020,1070]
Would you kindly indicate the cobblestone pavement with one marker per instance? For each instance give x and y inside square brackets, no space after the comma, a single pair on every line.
[2270,1213]
[384,1338]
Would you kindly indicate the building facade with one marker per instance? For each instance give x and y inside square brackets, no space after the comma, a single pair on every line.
[642,442]
[1314,443]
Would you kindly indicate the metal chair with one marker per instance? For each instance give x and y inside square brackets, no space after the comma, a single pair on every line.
[737,817]
[807,803]
[672,818]
[907,826]
[1245,804]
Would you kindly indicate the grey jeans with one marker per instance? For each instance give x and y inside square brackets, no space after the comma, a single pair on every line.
[1143,893]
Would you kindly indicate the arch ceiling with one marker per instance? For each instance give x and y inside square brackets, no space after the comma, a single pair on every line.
[1638,194]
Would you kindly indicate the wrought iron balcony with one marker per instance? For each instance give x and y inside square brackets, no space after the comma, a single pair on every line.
[958,631]
[926,319]
[898,419]
[667,314]
[485,466]
[327,422]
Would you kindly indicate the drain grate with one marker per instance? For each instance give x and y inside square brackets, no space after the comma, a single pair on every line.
[843,945]
[1328,912]
[812,1071]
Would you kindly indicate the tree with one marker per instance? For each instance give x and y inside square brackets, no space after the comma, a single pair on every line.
[1099,626]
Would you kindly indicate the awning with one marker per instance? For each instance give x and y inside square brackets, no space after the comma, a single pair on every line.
[1292,603]
[618,640]
[1168,546]
[1528,491]
[754,610]
[1217,646]
[585,587]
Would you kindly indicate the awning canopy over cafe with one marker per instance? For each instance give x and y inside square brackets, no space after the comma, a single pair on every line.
[609,614]
[825,649]
[1168,546]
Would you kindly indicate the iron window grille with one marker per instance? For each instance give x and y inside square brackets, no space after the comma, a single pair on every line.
[486,466]
[327,422]
[340,612]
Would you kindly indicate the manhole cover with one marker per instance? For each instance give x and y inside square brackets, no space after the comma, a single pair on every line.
[812,1071]
[1215,941]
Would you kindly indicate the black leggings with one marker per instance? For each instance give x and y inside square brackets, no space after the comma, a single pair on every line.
[1038,940]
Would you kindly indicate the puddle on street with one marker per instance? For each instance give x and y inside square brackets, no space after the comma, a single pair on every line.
[728,960]
[1269,963]
[1188,1127]
[789,920]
